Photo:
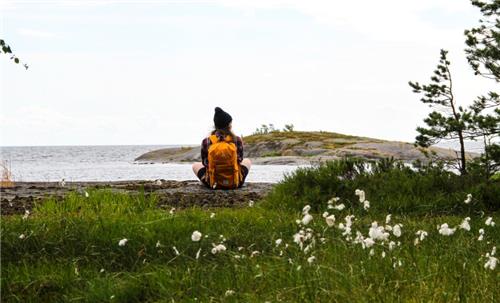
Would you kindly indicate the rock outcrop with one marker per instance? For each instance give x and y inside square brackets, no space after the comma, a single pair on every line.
[179,194]
[302,148]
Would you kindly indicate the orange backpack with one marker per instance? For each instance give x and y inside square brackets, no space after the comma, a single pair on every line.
[223,168]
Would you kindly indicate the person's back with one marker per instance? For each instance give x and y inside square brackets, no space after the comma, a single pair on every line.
[223,165]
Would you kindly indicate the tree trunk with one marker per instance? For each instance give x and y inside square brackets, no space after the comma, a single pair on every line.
[463,168]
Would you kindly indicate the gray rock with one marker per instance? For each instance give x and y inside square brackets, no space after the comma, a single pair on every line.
[291,152]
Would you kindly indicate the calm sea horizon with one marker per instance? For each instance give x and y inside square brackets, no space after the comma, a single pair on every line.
[107,163]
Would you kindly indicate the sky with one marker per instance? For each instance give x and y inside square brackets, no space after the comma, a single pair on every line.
[151,72]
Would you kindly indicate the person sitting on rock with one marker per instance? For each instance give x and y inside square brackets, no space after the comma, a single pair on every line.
[222,164]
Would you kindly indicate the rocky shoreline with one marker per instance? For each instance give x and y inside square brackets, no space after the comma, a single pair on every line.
[25,195]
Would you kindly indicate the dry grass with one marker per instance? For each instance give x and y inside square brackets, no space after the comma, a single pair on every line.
[297,135]
[6,180]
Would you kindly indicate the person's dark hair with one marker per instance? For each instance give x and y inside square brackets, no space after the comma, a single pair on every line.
[226,131]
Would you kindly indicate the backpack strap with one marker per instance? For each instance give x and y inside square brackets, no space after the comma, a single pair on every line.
[212,139]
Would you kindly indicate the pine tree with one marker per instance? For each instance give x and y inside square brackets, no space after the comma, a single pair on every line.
[447,122]
[483,55]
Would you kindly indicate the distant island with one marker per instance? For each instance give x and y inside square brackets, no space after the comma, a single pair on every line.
[303,148]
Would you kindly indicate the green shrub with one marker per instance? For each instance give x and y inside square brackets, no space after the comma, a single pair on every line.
[389,185]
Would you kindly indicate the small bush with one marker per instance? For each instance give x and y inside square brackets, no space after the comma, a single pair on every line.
[389,185]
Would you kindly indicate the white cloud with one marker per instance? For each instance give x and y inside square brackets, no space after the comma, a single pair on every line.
[35,33]
[144,96]
[393,20]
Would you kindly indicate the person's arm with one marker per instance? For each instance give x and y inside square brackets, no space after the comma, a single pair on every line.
[239,148]
[204,152]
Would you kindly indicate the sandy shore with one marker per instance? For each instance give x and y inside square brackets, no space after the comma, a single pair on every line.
[25,195]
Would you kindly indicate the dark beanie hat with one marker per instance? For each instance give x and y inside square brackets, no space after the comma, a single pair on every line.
[221,118]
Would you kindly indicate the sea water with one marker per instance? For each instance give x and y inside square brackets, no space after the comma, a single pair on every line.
[107,163]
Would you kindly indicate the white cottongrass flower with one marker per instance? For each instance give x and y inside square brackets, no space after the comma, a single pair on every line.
[330,220]
[306,209]
[465,224]
[308,248]
[489,222]
[158,182]
[396,230]
[339,207]
[391,245]
[158,244]
[378,232]
[196,236]
[368,242]
[212,215]
[86,194]
[492,260]
[372,252]
[26,214]
[62,183]
[172,211]
[122,242]
[325,214]
[366,204]
[102,270]
[421,234]
[481,235]
[251,203]
[383,254]
[229,293]
[347,227]
[306,219]
[388,219]
[278,242]
[218,248]
[176,251]
[359,239]
[302,236]
[254,253]
[445,230]
[333,200]
[299,238]
[22,236]
[361,194]
[468,199]
[311,259]
[491,263]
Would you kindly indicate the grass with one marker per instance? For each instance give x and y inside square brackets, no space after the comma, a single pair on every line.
[70,252]
[301,136]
